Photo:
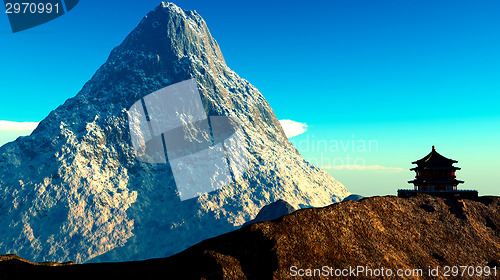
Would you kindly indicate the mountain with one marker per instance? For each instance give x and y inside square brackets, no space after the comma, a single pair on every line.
[354,197]
[272,211]
[393,233]
[75,189]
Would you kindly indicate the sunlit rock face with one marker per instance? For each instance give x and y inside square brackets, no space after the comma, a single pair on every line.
[75,190]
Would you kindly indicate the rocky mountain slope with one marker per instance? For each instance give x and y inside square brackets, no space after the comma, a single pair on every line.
[272,211]
[74,190]
[353,197]
[378,232]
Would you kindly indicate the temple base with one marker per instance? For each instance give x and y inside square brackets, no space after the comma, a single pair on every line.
[467,194]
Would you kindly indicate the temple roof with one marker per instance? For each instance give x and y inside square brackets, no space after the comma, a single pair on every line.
[434,158]
[420,168]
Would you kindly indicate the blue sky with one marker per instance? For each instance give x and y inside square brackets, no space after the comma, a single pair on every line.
[403,74]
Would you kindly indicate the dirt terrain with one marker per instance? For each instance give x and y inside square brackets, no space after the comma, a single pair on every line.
[381,235]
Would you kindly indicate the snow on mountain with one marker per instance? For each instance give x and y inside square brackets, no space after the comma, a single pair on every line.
[74,190]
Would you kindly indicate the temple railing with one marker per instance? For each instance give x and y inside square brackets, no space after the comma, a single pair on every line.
[412,190]
[469,194]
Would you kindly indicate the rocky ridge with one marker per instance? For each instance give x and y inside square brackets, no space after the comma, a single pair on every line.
[377,232]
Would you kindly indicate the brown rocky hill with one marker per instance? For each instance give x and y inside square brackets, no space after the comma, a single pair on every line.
[389,233]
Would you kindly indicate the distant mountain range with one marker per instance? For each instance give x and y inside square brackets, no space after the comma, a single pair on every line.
[75,190]
[405,236]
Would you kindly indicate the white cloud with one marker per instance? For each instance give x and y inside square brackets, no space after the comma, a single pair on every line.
[293,128]
[17,126]
[10,131]
[364,167]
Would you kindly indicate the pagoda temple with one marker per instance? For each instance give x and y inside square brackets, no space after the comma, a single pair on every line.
[435,175]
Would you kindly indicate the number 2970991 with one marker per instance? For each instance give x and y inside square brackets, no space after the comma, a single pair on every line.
[31,8]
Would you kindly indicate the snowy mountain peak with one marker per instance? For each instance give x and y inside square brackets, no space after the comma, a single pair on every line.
[76,190]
